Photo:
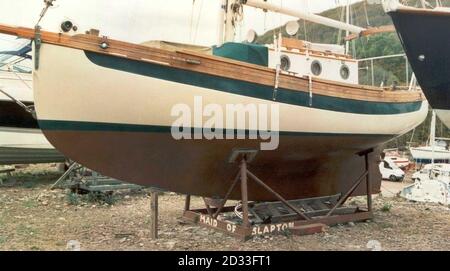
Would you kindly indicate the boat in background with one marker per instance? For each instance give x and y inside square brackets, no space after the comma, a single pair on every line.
[398,159]
[424,155]
[435,152]
[83,84]
[431,184]
[425,171]
[425,36]
[21,140]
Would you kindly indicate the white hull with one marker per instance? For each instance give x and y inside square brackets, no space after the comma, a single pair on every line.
[26,146]
[428,190]
[18,85]
[427,153]
[121,122]
[444,116]
[103,96]
[20,145]
[23,138]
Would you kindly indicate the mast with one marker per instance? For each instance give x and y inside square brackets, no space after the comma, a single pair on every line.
[424,3]
[347,20]
[229,20]
[433,135]
[226,31]
[304,15]
[221,22]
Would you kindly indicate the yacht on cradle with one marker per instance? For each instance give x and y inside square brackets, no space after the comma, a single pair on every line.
[83,82]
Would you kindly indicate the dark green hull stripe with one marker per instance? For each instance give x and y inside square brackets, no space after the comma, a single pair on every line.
[254,90]
[51,125]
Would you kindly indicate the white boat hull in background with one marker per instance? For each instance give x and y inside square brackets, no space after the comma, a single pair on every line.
[26,146]
[421,154]
[23,138]
[18,85]
[429,190]
[20,140]
[444,116]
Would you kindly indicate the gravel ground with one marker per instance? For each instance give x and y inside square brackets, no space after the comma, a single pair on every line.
[34,218]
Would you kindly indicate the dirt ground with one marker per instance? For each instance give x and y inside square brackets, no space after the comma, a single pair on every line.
[32,217]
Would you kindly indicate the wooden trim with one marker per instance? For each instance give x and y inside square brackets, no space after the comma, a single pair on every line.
[217,66]
[372,31]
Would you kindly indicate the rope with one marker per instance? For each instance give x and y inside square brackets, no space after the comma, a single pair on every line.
[305,31]
[237,212]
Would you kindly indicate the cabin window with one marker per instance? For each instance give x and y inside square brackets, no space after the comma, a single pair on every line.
[316,68]
[345,72]
[285,63]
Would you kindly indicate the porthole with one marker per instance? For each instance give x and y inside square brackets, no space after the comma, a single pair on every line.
[345,72]
[285,63]
[316,68]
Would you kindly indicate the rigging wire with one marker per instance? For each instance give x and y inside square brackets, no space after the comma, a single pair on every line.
[198,21]
[48,4]
[352,20]
[366,13]
[340,31]
[242,23]
[21,79]
[305,30]
[280,16]
[265,21]
[191,23]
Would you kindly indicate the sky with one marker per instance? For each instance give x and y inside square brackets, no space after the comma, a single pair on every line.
[185,21]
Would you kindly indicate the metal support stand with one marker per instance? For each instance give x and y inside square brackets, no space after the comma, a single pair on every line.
[305,216]
[245,221]
[154,214]
[72,168]
[82,180]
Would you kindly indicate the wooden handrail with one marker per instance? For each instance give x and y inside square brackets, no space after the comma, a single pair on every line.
[372,31]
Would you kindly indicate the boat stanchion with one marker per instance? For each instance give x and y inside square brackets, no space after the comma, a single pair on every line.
[244,192]
[187,204]
[368,183]
[154,214]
